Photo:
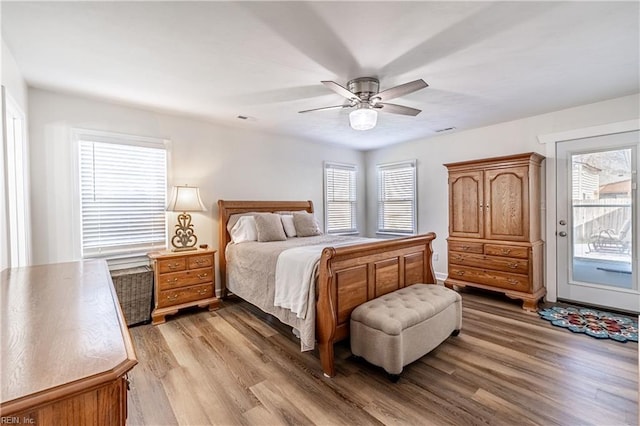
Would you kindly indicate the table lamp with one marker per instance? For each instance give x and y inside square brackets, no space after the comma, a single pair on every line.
[185,199]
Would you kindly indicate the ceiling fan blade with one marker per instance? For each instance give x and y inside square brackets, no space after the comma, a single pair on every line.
[401,90]
[398,109]
[342,91]
[325,108]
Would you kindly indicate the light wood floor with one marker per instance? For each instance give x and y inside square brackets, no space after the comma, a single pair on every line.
[507,367]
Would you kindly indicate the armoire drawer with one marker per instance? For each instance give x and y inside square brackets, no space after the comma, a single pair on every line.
[489,277]
[506,250]
[466,247]
[506,264]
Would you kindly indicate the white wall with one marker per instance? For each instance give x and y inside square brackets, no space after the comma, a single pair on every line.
[501,139]
[12,78]
[15,87]
[225,162]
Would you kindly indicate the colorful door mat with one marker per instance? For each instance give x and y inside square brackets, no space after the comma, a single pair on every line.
[599,324]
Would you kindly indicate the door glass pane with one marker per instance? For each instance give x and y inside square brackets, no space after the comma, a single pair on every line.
[602,215]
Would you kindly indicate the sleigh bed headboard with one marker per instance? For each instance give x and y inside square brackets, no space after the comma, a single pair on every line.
[227,208]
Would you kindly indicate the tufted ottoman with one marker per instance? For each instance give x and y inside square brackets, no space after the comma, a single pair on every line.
[396,329]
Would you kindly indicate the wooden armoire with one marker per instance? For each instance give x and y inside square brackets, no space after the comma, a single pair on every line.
[494,226]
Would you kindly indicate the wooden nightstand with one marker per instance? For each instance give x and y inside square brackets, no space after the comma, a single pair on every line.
[181,280]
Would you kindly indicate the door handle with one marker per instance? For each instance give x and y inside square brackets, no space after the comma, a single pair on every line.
[562,234]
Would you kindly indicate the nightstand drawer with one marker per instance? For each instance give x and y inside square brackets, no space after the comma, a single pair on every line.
[172,265]
[184,295]
[185,279]
[203,261]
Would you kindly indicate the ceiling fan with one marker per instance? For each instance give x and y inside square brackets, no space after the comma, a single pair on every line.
[363,95]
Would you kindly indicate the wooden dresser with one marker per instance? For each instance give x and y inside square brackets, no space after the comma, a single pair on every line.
[66,349]
[181,280]
[494,226]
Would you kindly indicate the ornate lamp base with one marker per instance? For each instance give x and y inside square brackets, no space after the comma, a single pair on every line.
[184,248]
[184,238]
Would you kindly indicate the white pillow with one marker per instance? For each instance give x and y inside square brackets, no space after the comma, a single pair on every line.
[244,230]
[287,223]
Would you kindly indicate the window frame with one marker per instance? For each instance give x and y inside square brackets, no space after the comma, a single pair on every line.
[381,230]
[126,257]
[16,182]
[351,168]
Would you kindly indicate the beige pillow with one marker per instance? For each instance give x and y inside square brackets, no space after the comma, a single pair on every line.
[305,224]
[269,227]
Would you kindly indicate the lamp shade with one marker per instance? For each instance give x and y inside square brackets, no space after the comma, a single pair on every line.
[186,199]
[363,118]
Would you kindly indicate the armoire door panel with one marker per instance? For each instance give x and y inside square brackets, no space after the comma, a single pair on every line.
[507,208]
[466,204]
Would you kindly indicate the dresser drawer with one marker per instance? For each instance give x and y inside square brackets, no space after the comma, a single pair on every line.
[172,265]
[505,250]
[491,278]
[466,247]
[185,279]
[515,265]
[184,295]
[204,261]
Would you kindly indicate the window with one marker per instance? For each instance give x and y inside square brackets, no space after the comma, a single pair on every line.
[397,198]
[123,184]
[340,198]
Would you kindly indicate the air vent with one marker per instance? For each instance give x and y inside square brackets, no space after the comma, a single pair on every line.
[448,129]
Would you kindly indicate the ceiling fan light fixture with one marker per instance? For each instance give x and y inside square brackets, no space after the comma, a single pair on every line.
[363,118]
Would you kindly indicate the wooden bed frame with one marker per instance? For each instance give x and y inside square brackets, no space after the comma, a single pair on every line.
[348,276]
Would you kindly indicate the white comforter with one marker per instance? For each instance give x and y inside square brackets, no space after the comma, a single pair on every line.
[251,268]
[296,271]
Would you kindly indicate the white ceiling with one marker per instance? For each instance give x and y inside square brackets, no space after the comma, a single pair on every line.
[485,62]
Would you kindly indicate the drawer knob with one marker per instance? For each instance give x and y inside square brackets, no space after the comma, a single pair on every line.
[200,261]
[173,281]
[172,297]
[202,291]
[202,276]
[459,257]
[465,248]
[514,265]
[505,251]
[461,273]
[173,265]
[512,281]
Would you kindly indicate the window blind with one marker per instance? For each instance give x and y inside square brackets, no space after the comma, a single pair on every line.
[123,198]
[397,198]
[340,198]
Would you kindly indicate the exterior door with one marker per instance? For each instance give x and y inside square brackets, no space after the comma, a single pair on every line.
[507,205]
[597,229]
[466,215]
